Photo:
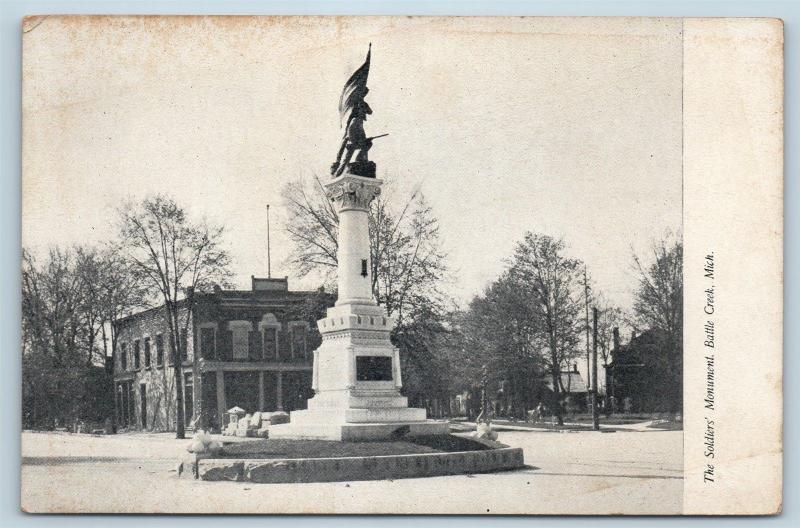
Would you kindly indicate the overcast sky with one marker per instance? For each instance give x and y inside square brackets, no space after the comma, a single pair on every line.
[571,127]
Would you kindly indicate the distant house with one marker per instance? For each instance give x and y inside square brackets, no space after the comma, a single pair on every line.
[644,375]
[572,388]
[250,348]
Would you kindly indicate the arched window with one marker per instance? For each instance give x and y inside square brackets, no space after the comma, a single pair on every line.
[269,327]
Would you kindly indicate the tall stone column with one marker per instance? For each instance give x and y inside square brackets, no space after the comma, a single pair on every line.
[356,374]
[352,196]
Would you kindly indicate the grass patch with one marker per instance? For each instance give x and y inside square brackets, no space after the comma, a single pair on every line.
[452,443]
[283,448]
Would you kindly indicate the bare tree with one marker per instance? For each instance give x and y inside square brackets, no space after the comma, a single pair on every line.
[609,317]
[408,269]
[66,301]
[174,257]
[119,292]
[552,282]
[658,306]
[659,296]
[53,361]
[89,268]
[510,350]
[110,291]
[313,226]
[408,263]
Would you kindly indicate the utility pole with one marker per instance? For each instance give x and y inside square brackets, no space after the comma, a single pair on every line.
[595,414]
[589,377]
[269,259]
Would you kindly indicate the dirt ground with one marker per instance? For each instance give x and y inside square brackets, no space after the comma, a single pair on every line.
[631,471]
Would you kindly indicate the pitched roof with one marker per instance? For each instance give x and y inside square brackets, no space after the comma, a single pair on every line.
[572,381]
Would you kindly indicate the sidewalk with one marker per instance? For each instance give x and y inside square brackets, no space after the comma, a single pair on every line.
[570,474]
[576,427]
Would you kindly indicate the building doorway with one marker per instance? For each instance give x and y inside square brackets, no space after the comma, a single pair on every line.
[208,401]
[296,390]
[241,390]
[188,399]
[122,409]
[143,396]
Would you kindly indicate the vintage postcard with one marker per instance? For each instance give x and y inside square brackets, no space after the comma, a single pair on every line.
[406,265]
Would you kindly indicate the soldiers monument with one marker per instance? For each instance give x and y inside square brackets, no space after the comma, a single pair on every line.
[356,376]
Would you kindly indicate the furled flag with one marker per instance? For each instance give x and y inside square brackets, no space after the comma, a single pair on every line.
[355,89]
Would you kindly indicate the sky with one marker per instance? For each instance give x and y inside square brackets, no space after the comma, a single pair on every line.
[570,127]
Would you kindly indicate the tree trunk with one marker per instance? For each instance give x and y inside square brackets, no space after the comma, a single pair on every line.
[91,345]
[175,345]
[114,417]
[554,371]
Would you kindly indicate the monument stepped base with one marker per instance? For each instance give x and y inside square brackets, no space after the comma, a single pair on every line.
[357,415]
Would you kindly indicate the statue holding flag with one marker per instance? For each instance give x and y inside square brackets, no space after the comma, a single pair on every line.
[353,111]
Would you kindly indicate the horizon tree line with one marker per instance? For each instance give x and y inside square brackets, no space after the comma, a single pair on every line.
[535,309]
[73,297]
[72,300]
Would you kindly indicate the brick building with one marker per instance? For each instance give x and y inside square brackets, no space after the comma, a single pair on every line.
[646,375]
[247,348]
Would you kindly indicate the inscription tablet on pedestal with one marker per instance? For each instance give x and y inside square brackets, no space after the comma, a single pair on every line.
[373,368]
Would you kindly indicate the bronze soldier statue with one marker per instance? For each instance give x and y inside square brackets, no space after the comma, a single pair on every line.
[353,110]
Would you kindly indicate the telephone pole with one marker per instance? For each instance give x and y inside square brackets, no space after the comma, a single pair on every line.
[269,259]
[586,298]
[595,414]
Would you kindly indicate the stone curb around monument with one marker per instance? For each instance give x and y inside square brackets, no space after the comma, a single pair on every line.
[357,468]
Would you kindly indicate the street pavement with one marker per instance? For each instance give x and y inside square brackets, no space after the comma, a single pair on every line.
[632,471]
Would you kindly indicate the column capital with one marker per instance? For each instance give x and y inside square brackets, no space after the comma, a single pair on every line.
[353,192]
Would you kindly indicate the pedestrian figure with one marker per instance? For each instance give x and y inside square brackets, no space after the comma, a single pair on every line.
[540,410]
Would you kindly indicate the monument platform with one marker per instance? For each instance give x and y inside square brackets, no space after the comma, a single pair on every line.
[315,461]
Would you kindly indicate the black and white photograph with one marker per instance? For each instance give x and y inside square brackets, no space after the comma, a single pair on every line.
[382,265]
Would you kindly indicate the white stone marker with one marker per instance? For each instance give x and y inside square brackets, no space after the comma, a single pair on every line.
[356,377]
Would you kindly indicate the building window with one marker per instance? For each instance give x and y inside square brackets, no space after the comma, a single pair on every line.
[123,357]
[160,350]
[298,342]
[146,352]
[239,343]
[208,343]
[269,327]
[270,343]
[240,333]
[136,358]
